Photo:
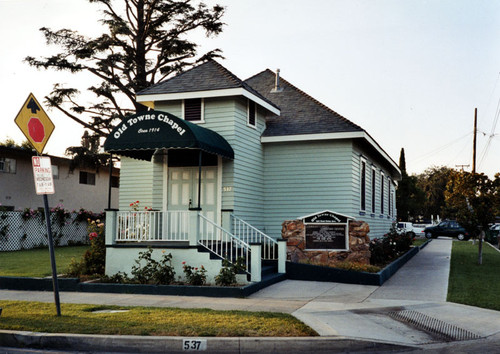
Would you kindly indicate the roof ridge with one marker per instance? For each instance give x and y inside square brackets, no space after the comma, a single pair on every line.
[316,101]
[226,72]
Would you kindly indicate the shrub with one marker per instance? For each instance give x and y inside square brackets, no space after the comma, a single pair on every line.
[94,259]
[391,246]
[227,274]
[153,271]
[195,276]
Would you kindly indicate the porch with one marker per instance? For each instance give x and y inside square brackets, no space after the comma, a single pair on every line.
[188,234]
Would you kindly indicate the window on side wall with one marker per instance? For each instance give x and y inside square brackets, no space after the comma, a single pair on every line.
[87,178]
[193,110]
[362,181]
[389,194]
[7,165]
[382,192]
[374,188]
[251,121]
[55,172]
[115,182]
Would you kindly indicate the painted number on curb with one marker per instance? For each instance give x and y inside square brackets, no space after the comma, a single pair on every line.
[194,345]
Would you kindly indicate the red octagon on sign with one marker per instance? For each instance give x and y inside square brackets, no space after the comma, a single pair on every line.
[36,130]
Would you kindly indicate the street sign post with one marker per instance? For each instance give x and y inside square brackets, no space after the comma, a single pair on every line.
[37,127]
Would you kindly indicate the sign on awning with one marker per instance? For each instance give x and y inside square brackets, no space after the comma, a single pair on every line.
[138,136]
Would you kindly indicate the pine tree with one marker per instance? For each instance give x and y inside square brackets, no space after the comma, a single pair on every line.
[145,41]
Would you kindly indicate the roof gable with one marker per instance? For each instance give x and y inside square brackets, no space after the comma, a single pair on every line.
[209,76]
[300,113]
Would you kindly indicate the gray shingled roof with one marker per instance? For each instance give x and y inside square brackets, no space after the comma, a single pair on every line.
[300,113]
[204,77]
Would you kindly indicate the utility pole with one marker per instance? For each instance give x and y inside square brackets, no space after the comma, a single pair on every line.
[474,143]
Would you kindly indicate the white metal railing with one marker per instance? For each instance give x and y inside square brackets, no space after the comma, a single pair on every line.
[249,234]
[222,242]
[153,226]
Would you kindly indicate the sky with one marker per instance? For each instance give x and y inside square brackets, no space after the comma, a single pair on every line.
[409,72]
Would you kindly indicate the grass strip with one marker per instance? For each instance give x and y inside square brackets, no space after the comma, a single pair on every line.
[36,262]
[473,284]
[148,321]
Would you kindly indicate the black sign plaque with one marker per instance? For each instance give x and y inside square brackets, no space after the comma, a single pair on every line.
[327,230]
[326,236]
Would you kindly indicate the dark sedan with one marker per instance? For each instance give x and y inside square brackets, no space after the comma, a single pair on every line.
[449,228]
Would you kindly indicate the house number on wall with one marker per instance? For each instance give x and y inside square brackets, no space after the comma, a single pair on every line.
[227,189]
[194,345]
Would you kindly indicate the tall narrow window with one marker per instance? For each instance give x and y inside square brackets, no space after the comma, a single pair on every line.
[193,109]
[363,185]
[389,196]
[381,193]
[251,114]
[374,175]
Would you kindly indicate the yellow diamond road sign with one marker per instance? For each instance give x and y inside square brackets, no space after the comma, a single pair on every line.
[34,123]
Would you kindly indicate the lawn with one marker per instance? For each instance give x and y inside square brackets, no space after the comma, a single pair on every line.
[85,319]
[36,262]
[473,284]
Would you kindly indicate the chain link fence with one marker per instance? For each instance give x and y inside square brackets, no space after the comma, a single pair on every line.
[21,231]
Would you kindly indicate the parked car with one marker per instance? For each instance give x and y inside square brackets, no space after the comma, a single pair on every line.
[405,228]
[410,229]
[447,228]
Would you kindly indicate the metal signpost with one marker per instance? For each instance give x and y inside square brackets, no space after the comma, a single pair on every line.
[37,127]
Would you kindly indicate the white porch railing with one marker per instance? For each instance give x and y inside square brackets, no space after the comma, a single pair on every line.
[249,234]
[223,243]
[152,226]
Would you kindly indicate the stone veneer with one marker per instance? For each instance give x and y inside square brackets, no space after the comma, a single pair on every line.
[293,231]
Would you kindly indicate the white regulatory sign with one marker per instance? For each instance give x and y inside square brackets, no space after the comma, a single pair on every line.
[42,171]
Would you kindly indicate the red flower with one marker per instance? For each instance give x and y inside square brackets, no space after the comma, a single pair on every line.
[93,235]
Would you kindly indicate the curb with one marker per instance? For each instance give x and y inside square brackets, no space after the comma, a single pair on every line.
[143,344]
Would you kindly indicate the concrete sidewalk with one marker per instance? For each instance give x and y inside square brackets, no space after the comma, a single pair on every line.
[408,310]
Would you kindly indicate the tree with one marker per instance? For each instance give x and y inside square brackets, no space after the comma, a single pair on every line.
[409,198]
[144,42]
[433,183]
[471,198]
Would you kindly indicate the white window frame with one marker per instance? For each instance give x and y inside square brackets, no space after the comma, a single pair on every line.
[249,102]
[361,178]
[382,193]
[374,190]
[202,118]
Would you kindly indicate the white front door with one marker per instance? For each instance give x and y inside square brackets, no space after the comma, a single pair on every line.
[183,190]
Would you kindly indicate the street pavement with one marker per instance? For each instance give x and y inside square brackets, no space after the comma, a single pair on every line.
[408,313]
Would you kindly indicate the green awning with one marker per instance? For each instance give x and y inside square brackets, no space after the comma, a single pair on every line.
[138,136]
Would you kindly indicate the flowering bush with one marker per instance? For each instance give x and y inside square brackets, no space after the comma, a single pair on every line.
[87,215]
[29,213]
[153,271]
[94,259]
[195,276]
[391,246]
[59,215]
[135,206]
